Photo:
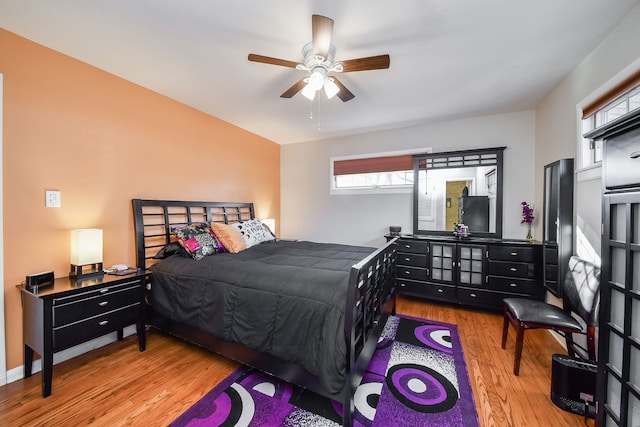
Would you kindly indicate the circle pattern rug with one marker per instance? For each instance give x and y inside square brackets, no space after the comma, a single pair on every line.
[416,377]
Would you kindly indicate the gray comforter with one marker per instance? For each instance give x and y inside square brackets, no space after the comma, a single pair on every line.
[283,298]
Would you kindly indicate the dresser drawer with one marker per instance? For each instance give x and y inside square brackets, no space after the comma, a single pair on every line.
[94,303]
[412,246]
[439,291]
[427,290]
[513,253]
[411,259]
[512,269]
[93,327]
[412,273]
[481,298]
[515,285]
[412,287]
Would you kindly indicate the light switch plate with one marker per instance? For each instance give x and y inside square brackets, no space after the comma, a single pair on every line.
[52,198]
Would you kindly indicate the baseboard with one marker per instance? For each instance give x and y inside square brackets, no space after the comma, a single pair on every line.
[558,338]
[17,373]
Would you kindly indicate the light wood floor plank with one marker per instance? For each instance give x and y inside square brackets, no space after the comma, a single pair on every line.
[119,386]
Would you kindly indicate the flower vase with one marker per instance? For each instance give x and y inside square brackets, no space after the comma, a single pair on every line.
[529,237]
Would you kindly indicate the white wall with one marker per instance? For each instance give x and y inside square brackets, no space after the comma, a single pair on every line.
[557,130]
[534,139]
[309,212]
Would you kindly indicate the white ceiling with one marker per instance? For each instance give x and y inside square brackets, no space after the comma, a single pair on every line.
[449,58]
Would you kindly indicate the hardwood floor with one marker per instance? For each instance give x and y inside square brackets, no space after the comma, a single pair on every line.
[119,386]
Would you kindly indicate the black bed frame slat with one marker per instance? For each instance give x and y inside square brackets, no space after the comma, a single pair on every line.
[371,298]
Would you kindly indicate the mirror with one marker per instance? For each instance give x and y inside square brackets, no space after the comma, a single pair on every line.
[458,187]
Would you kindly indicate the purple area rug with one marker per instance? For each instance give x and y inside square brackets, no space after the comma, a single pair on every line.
[417,377]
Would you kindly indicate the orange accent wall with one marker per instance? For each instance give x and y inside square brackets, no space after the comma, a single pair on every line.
[102,141]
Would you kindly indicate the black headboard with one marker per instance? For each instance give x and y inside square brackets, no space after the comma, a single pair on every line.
[153,220]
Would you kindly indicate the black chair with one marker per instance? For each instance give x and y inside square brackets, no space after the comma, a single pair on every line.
[581,296]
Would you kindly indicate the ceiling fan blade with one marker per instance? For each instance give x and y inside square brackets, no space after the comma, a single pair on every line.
[273,61]
[297,87]
[344,94]
[379,62]
[322,30]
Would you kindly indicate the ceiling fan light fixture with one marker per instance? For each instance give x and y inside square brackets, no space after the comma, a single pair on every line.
[330,88]
[316,80]
[309,92]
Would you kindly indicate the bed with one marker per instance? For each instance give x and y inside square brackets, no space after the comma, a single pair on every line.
[309,313]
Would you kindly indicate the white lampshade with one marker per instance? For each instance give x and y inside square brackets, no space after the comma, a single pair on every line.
[316,80]
[330,88]
[309,92]
[86,246]
[271,224]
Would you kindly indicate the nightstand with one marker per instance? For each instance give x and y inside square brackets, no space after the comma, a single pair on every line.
[72,312]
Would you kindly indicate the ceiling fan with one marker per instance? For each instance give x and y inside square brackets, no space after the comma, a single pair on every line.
[320,65]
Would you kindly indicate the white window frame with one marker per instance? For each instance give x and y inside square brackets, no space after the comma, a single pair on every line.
[591,152]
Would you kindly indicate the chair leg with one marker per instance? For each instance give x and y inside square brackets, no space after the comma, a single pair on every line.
[505,329]
[518,355]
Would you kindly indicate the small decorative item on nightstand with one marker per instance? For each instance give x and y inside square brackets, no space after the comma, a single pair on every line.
[36,281]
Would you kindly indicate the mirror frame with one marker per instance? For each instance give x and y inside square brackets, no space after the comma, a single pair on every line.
[455,160]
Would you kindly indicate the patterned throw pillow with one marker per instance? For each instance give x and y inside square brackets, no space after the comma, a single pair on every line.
[197,240]
[253,232]
[229,237]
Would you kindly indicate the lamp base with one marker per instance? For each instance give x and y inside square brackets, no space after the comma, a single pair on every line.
[81,272]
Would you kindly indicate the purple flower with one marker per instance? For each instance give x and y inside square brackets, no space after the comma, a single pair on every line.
[527,213]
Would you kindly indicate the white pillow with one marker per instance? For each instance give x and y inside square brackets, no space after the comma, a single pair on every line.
[253,232]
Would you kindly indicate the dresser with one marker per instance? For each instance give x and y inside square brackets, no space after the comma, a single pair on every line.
[72,312]
[473,272]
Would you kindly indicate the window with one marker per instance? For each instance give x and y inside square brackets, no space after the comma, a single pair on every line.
[389,172]
[619,101]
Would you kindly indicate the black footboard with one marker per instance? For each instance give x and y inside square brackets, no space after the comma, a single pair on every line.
[371,299]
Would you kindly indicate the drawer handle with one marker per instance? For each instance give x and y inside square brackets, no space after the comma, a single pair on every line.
[513,269]
[440,290]
[407,272]
[635,155]
[104,322]
[407,259]
[407,246]
[473,295]
[402,285]
[103,303]
[104,290]
[513,285]
[514,253]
